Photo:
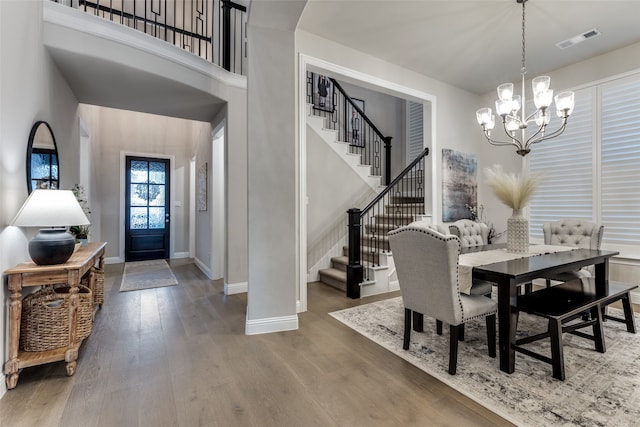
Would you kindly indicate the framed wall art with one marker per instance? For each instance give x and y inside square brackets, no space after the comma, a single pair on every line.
[459,184]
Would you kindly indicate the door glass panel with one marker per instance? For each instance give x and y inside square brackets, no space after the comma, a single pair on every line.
[156,195]
[139,195]
[138,218]
[156,173]
[139,171]
[156,217]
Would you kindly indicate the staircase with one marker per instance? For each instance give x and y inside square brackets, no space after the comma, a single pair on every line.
[394,204]
[378,262]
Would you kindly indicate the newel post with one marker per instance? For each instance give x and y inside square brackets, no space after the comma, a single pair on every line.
[354,268]
[387,160]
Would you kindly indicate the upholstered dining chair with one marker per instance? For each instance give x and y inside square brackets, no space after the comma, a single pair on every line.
[427,267]
[572,232]
[470,233]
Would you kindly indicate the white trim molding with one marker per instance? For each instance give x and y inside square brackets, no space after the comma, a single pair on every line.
[271,324]
[202,266]
[236,288]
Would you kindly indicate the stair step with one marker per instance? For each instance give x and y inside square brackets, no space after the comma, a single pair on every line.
[380,229]
[407,199]
[340,262]
[394,218]
[367,254]
[334,277]
[370,240]
[410,208]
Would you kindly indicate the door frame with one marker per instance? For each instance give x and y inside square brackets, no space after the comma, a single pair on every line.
[121,178]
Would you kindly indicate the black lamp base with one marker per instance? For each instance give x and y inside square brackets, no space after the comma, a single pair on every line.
[51,246]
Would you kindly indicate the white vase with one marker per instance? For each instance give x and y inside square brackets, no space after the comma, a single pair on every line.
[517,232]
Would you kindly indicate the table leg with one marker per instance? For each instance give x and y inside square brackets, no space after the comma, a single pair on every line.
[602,274]
[15,314]
[507,319]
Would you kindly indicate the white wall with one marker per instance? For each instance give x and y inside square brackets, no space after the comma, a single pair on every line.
[31,89]
[332,188]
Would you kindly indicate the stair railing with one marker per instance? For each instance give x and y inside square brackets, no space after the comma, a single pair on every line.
[383,213]
[211,29]
[353,126]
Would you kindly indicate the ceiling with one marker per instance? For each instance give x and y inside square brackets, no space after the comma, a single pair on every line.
[476,44]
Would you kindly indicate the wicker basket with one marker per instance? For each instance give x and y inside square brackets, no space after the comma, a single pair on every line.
[45,318]
[98,285]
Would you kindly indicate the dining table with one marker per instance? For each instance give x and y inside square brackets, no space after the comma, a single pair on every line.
[510,274]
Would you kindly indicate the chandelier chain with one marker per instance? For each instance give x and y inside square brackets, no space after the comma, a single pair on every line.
[524,68]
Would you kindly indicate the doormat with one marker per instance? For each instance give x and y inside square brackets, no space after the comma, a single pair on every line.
[147,274]
[600,389]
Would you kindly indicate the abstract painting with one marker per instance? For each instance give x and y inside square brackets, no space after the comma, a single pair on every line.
[459,184]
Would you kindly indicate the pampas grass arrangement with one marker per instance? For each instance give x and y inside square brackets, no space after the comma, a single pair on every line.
[514,190]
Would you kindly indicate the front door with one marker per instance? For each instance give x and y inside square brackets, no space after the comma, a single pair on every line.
[147,209]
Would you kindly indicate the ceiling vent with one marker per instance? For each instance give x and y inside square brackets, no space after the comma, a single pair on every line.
[578,39]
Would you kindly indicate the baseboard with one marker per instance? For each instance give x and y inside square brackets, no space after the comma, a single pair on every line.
[206,270]
[177,255]
[635,296]
[236,288]
[272,324]
[113,260]
[3,388]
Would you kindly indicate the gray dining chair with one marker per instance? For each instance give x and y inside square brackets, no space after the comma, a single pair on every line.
[426,263]
[576,233]
[470,233]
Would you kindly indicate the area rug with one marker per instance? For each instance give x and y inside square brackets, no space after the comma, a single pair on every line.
[599,390]
[147,274]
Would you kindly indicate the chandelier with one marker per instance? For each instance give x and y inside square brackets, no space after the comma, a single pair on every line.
[508,105]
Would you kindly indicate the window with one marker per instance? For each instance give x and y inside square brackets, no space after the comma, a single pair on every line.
[594,167]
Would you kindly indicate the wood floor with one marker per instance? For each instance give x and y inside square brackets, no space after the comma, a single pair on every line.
[178,356]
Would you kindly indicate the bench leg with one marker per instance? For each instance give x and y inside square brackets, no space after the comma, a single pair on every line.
[598,334]
[628,314]
[439,327]
[557,356]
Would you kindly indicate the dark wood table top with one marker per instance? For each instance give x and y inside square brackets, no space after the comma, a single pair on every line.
[532,267]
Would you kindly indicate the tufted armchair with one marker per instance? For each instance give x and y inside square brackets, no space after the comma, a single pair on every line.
[427,267]
[572,232]
[470,233]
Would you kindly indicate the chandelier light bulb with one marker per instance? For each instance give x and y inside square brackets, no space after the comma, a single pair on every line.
[512,124]
[540,84]
[483,116]
[543,99]
[505,92]
[516,103]
[565,102]
[542,117]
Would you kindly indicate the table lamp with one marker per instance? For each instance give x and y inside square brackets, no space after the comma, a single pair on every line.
[56,209]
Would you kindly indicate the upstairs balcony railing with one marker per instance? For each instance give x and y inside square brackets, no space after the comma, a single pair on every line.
[343,114]
[212,29]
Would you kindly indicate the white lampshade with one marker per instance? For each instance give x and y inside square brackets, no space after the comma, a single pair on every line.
[50,208]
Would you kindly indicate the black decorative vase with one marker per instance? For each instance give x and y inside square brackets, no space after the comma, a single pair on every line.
[51,246]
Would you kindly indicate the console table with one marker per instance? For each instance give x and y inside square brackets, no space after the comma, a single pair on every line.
[29,274]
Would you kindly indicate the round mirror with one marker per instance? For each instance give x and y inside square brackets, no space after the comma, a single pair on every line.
[42,158]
